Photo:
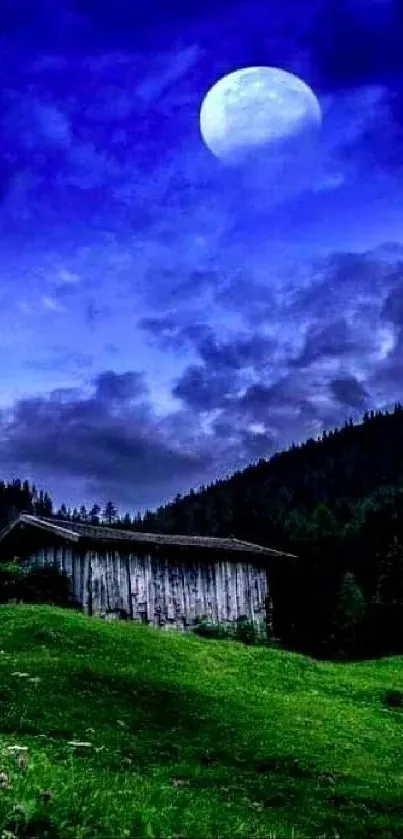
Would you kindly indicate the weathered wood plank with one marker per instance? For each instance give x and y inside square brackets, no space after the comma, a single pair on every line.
[163,591]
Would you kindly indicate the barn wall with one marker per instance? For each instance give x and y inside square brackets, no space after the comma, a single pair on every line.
[161,591]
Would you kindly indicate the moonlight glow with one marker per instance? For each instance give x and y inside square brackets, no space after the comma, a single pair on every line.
[258,109]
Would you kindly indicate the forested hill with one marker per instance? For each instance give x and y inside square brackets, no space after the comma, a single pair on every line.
[309,491]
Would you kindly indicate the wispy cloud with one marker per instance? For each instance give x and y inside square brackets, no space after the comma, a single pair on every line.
[51,304]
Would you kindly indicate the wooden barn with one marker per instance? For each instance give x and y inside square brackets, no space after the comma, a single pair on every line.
[165,580]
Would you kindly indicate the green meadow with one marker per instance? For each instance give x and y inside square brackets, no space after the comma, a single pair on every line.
[121,730]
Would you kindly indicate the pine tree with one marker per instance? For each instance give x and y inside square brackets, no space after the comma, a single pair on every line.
[351,606]
[94,514]
[109,514]
[350,614]
[62,513]
[43,505]
[390,581]
[138,523]
[323,522]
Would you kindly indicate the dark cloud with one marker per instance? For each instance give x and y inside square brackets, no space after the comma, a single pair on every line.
[254,299]
[236,354]
[350,392]
[329,309]
[259,399]
[333,340]
[256,401]
[120,387]
[202,389]
[175,330]
[226,364]
[344,285]
[238,351]
[107,442]
[339,279]
[255,444]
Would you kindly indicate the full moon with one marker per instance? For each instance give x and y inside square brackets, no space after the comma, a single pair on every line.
[259,113]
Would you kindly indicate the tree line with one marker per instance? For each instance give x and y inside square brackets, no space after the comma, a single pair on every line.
[336,502]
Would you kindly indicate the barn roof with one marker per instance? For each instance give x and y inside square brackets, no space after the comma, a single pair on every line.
[80,531]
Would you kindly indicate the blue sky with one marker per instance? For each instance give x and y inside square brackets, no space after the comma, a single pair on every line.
[162,324]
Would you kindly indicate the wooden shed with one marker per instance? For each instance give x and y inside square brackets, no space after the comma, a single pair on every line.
[160,579]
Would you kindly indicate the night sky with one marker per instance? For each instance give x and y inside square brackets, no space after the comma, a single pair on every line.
[162,324]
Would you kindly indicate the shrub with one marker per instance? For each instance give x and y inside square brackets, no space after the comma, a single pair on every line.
[244,630]
[11,580]
[35,585]
[247,632]
[47,585]
[210,629]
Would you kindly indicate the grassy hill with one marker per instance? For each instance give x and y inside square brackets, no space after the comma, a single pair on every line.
[120,730]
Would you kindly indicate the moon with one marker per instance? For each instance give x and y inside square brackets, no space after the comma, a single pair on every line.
[254,108]
[258,110]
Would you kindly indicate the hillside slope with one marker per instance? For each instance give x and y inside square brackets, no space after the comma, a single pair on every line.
[123,730]
[273,499]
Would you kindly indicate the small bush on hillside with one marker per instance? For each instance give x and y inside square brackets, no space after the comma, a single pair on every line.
[35,585]
[11,580]
[243,630]
[247,632]
[208,628]
[47,585]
